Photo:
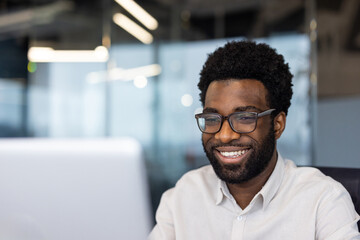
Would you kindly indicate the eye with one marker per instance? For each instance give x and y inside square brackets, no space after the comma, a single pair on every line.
[211,120]
[244,118]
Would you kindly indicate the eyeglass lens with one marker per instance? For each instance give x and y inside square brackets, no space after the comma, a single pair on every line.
[243,122]
[240,122]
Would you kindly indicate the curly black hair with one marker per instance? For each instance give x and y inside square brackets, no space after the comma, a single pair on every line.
[249,60]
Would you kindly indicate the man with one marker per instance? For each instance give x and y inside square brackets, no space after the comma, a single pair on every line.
[250,191]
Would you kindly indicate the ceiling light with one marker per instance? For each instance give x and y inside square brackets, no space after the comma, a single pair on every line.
[139,13]
[119,74]
[140,81]
[45,54]
[129,74]
[132,28]
[187,100]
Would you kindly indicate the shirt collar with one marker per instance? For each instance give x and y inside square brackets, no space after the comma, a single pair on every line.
[267,192]
[273,183]
[222,191]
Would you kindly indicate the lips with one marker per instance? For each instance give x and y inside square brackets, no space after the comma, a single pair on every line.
[231,155]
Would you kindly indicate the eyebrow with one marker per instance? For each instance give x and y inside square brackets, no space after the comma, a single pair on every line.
[238,109]
[209,110]
[247,108]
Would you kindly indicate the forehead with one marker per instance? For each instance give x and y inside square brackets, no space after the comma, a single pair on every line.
[228,95]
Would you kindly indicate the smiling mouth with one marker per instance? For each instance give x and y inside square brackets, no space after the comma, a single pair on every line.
[234,154]
[231,155]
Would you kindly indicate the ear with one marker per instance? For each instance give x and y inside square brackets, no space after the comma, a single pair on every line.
[279,124]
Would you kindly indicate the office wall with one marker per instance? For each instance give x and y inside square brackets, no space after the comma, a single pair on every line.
[338,135]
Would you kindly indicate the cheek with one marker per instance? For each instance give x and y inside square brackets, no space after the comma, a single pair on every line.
[261,133]
[257,137]
[263,127]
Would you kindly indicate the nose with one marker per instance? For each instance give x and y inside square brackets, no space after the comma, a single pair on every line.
[226,134]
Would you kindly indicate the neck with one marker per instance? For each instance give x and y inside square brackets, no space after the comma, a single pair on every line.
[245,192]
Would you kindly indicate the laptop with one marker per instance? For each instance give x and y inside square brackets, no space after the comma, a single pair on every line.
[58,189]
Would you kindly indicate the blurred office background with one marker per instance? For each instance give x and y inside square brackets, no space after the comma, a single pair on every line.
[145,87]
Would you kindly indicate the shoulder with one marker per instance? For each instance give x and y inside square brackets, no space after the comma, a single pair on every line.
[312,179]
[309,189]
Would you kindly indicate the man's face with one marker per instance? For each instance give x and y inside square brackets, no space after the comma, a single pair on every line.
[237,158]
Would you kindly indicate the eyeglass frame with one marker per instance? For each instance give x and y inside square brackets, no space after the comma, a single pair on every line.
[223,118]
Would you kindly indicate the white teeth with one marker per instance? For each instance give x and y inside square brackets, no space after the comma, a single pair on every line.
[233,154]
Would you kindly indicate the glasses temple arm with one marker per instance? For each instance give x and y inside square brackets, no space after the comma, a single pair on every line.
[266,112]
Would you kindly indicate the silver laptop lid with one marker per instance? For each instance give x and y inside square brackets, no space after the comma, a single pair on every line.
[73,189]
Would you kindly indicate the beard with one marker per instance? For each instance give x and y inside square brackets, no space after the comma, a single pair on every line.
[255,163]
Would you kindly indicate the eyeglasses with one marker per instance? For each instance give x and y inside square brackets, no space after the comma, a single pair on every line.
[240,122]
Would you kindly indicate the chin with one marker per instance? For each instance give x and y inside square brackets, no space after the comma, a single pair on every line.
[238,172]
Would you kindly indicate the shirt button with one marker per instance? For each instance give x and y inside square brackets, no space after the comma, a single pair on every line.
[239,218]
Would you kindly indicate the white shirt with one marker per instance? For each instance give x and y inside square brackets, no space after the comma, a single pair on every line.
[294,204]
